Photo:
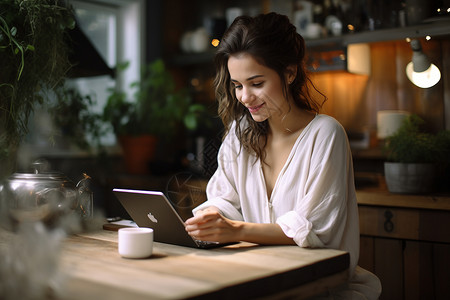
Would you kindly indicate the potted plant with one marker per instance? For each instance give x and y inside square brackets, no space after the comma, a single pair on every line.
[414,157]
[154,113]
[72,113]
[33,59]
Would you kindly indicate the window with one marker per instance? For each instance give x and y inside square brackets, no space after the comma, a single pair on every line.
[115,29]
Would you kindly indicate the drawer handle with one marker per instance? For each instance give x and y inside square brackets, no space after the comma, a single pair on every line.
[388,225]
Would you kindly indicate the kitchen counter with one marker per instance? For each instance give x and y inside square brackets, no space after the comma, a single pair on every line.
[382,197]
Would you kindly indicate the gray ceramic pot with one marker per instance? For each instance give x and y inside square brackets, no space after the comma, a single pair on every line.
[409,178]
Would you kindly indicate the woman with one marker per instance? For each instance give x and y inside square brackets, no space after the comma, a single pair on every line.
[285,173]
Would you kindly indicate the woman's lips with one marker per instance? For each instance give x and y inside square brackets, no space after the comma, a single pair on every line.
[256,108]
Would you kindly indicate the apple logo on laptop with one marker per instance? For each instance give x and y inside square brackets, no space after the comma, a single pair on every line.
[152,217]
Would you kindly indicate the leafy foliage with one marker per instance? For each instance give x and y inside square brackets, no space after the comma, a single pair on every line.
[73,114]
[412,144]
[156,108]
[33,58]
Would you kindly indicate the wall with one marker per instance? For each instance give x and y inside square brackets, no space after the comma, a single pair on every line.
[355,99]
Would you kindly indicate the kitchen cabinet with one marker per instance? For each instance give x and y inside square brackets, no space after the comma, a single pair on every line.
[405,241]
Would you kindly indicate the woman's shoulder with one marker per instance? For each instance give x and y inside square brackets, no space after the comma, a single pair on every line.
[325,123]
[327,132]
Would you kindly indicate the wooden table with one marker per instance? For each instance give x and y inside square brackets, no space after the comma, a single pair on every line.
[241,271]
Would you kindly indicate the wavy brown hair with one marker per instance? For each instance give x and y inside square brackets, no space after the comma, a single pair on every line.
[273,41]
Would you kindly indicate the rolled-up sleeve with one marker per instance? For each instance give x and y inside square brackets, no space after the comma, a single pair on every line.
[299,229]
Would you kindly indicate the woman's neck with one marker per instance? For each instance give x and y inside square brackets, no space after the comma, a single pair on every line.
[292,122]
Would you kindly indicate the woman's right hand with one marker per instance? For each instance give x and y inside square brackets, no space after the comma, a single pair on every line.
[210,225]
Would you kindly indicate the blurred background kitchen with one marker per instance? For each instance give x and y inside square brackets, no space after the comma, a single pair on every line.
[357,54]
[358,51]
[143,70]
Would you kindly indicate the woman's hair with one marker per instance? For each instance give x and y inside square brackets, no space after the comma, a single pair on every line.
[273,41]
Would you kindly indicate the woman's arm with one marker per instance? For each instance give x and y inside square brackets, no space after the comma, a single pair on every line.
[210,225]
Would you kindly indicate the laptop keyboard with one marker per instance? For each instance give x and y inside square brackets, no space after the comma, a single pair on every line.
[205,243]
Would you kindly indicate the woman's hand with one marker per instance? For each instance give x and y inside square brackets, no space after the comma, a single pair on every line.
[210,225]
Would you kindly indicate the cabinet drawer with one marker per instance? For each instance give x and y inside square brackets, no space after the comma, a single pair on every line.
[389,222]
[403,223]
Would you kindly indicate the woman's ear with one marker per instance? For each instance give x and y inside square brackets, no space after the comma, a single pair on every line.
[291,73]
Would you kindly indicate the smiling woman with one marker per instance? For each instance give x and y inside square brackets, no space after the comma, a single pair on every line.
[285,173]
[260,89]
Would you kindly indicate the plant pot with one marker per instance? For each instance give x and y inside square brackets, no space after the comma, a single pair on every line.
[138,152]
[409,178]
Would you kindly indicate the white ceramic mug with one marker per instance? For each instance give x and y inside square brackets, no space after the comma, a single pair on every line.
[135,242]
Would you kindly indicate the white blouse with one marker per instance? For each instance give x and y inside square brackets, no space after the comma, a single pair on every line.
[313,199]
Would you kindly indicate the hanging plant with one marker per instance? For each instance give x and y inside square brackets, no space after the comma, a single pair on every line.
[33,60]
[72,114]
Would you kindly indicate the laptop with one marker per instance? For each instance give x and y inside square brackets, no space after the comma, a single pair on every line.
[152,209]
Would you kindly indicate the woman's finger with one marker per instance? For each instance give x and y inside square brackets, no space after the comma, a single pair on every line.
[204,216]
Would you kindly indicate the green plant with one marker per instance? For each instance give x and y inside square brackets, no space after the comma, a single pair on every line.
[157,108]
[72,113]
[412,144]
[33,60]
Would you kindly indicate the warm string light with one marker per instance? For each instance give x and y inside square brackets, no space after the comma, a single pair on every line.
[215,42]
[439,10]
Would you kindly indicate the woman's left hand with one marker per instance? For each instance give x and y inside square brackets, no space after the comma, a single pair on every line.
[210,225]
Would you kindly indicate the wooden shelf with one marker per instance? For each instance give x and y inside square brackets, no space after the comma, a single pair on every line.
[433,27]
[385,198]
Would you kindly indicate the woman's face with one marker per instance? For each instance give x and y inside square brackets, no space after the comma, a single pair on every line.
[257,87]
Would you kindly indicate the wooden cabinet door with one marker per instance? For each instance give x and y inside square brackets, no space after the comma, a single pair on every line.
[366,253]
[388,263]
[384,258]
[411,258]
[426,270]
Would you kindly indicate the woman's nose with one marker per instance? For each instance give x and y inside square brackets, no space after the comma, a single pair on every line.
[246,96]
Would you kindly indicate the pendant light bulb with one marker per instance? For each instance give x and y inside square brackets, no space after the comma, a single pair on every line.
[420,71]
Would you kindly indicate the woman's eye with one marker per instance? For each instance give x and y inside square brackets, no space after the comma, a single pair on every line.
[256,84]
